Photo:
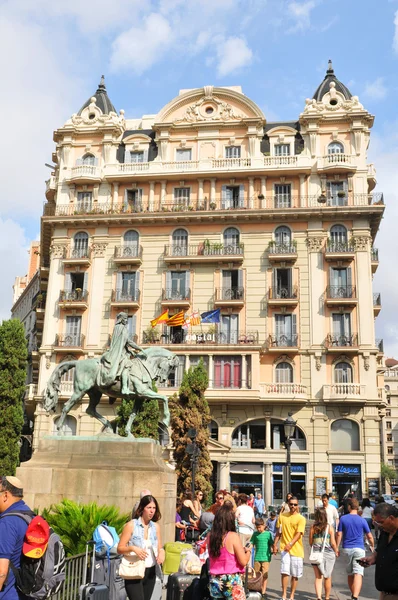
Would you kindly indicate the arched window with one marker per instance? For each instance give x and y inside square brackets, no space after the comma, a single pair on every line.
[180,242]
[345,435]
[213,430]
[343,373]
[283,237]
[335,148]
[80,245]
[88,159]
[69,426]
[338,235]
[231,237]
[278,437]
[284,373]
[250,435]
[130,238]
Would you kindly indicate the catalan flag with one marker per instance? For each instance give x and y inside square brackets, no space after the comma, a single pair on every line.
[176,320]
[195,319]
[161,318]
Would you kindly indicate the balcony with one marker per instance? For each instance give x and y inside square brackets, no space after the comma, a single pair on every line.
[376,303]
[341,295]
[128,255]
[205,252]
[233,296]
[245,338]
[127,299]
[67,341]
[283,391]
[282,252]
[289,343]
[30,391]
[336,342]
[339,251]
[77,256]
[73,299]
[177,298]
[283,296]
[84,174]
[344,391]
[336,163]
[51,188]
[374,258]
[372,181]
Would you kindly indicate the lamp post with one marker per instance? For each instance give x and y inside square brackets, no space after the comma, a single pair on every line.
[193,451]
[289,425]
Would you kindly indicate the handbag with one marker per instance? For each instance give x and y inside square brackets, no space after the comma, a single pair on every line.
[254,580]
[316,556]
[132,567]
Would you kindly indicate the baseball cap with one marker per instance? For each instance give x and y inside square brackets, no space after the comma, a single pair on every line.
[36,538]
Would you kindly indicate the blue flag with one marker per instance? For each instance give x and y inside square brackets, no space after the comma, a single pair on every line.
[211,316]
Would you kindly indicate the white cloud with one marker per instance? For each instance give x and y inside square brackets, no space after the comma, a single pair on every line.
[376,90]
[233,54]
[140,47]
[301,14]
[395,40]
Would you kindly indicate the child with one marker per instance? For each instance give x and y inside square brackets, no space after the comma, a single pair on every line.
[262,541]
[271,524]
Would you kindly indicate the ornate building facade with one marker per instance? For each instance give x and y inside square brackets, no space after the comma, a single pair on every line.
[207,206]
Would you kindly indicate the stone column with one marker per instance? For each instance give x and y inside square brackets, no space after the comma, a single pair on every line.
[187,362]
[95,297]
[267,484]
[115,199]
[212,190]
[303,202]
[264,192]
[244,371]
[317,289]
[364,291]
[224,476]
[200,193]
[251,192]
[151,196]
[268,433]
[163,193]
[211,370]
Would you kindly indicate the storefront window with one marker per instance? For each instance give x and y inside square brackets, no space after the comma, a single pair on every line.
[298,479]
[346,479]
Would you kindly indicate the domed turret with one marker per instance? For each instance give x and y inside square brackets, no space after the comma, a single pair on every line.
[324,87]
[102,100]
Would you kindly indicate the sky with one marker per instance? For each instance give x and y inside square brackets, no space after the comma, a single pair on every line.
[53,53]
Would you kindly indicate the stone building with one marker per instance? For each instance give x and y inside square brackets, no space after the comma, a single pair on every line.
[208,206]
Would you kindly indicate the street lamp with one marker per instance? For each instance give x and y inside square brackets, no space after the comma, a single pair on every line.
[193,451]
[289,425]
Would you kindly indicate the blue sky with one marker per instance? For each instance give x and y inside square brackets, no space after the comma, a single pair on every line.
[53,53]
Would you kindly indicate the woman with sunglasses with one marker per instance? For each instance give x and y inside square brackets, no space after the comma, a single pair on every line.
[197,503]
[318,531]
[220,496]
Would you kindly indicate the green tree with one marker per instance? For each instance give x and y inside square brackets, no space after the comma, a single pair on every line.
[13,356]
[75,523]
[388,473]
[189,409]
[146,422]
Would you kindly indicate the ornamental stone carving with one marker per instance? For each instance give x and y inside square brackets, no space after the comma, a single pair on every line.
[314,244]
[215,110]
[318,363]
[98,249]
[57,250]
[366,363]
[361,243]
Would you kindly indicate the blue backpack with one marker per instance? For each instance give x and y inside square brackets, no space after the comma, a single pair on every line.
[106,540]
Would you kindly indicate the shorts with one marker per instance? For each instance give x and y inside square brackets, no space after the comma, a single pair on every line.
[353,554]
[227,586]
[261,566]
[291,565]
[326,566]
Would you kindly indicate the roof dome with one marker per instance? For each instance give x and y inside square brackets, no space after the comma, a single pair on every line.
[102,99]
[323,88]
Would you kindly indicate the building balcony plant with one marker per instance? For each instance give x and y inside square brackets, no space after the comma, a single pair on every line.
[77,298]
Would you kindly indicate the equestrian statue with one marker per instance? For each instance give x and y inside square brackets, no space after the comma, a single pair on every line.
[124,371]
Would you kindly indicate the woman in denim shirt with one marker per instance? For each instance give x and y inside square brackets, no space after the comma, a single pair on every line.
[142,536]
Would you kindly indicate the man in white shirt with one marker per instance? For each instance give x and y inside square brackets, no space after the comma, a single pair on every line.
[331,511]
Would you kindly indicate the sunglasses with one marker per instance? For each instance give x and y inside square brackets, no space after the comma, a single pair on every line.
[293,504]
[220,497]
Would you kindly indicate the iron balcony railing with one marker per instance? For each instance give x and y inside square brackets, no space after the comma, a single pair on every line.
[121,295]
[377,299]
[78,253]
[281,292]
[282,341]
[339,247]
[340,291]
[75,576]
[375,254]
[76,295]
[203,249]
[69,340]
[128,251]
[341,340]
[280,248]
[172,295]
[184,337]
[230,293]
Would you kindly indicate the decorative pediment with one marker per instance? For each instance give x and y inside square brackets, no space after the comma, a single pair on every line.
[209,109]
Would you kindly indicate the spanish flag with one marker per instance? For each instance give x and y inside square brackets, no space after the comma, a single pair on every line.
[161,318]
[176,320]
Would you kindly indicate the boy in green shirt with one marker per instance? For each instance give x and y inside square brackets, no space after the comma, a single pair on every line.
[262,541]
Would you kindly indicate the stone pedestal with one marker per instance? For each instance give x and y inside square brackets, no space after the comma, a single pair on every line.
[107,470]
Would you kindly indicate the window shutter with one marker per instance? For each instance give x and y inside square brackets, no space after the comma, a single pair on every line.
[332,277]
[139,194]
[85,280]
[127,156]
[275,280]
[145,156]
[119,282]
[294,325]
[234,329]
[168,282]
[349,276]
[347,324]
[79,162]
[289,280]
[241,196]
[133,325]
[278,325]
[137,285]
[68,282]
[224,196]
[187,281]
[226,280]
[240,281]
[96,162]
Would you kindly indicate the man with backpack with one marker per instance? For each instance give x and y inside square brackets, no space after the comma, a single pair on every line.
[12,533]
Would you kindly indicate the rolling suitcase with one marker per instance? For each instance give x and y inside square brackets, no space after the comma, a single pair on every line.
[92,590]
[107,571]
[180,586]
[173,556]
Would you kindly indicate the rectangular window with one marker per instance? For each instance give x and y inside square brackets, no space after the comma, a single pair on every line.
[282,283]
[177,290]
[229,330]
[227,371]
[175,377]
[131,326]
[389,437]
[73,330]
[182,196]
[137,156]
[232,285]
[127,290]
[282,149]
[285,330]
[341,329]
[84,201]
[337,193]
[388,425]
[133,200]
[390,450]
[232,152]
[183,154]
[282,195]
[388,412]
